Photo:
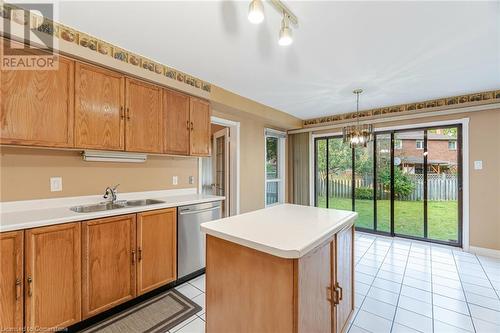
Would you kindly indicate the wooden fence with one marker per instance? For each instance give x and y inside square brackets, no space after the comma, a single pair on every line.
[441,187]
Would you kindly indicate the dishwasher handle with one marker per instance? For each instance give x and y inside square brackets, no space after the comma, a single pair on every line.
[188,212]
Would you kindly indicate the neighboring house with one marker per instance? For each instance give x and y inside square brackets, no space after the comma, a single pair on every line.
[442,152]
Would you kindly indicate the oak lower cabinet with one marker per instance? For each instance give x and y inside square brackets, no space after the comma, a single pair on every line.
[36,106]
[252,291]
[11,277]
[52,277]
[108,263]
[156,249]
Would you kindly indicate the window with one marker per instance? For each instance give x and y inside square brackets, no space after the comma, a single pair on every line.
[275,167]
[452,145]
[420,144]
[398,144]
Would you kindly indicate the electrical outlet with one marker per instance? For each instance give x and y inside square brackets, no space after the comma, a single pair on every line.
[478,165]
[55,184]
[175,180]
[191,179]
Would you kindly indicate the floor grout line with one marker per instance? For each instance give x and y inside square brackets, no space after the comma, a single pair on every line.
[465,296]
[401,288]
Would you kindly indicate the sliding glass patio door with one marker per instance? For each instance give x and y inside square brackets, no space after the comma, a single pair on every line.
[405,183]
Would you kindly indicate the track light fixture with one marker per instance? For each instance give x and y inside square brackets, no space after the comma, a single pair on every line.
[285,32]
[256,16]
[256,12]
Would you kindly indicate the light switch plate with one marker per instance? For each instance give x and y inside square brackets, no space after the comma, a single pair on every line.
[55,184]
[175,180]
[478,165]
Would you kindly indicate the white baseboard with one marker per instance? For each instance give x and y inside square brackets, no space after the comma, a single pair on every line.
[482,251]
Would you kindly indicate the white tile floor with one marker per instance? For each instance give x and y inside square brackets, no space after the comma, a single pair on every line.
[407,286]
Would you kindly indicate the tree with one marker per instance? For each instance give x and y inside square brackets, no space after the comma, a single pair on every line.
[403,186]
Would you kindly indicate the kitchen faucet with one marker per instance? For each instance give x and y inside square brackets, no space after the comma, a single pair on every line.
[110,193]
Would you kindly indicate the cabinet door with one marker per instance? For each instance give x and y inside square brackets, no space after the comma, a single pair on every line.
[315,277]
[11,277]
[144,126]
[99,112]
[156,249]
[37,106]
[53,276]
[200,127]
[176,122]
[108,263]
[344,282]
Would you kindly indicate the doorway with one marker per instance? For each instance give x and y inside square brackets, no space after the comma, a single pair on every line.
[405,183]
[219,172]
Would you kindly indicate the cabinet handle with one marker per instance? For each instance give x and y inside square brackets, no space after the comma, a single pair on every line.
[18,289]
[128,114]
[338,287]
[192,126]
[30,290]
[122,116]
[187,124]
[329,294]
[133,257]
[139,258]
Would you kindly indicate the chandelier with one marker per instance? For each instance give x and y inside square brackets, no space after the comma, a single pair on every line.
[358,135]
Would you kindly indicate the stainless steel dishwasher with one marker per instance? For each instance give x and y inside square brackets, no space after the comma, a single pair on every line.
[191,241]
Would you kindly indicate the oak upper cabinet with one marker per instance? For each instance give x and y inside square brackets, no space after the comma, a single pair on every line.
[53,276]
[144,126]
[199,127]
[11,277]
[99,108]
[36,106]
[344,279]
[108,263]
[177,126]
[156,249]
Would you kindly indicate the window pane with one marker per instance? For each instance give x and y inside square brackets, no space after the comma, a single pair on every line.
[272,167]
[339,174]
[383,155]
[363,191]
[272,194]
[320,173]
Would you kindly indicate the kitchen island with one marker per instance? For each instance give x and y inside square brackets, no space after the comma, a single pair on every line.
[286,268]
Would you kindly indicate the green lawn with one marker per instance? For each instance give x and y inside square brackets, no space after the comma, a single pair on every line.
[408,216]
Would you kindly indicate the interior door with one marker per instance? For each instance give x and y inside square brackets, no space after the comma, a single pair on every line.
[41,113]
[53,276]
[144,125]
[156,249]
[220,156]
[108,263]
[344,279]
[176,122]
[200,127]
[99,113]
[11,281]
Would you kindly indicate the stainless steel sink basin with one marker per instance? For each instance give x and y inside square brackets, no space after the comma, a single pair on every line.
[117,205]
[143,202]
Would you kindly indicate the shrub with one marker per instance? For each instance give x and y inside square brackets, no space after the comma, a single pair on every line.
[364,193]
[403,185]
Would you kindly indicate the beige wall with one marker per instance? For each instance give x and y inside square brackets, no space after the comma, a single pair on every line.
[25,174]
[484,144]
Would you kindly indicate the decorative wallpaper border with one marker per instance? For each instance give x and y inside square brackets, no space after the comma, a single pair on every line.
[455,100]
[81,39]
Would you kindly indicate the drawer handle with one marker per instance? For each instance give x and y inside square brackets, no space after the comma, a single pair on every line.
[337,286]
[18,289]
[30,290]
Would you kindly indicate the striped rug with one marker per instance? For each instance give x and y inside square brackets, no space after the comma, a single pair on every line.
[154,315]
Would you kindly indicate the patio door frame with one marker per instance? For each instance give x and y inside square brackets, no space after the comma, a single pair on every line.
[462,174]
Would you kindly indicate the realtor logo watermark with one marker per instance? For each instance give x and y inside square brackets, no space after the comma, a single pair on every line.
[29,22]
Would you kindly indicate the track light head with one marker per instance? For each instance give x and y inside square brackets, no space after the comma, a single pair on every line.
[256,12]
[285,37]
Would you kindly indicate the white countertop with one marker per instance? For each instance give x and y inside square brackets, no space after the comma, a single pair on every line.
[36,213]
[287,231]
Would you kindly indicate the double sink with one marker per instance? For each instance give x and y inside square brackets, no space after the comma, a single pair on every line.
[104,206]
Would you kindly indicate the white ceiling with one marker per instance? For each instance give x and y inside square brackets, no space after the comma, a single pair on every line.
[399,52]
